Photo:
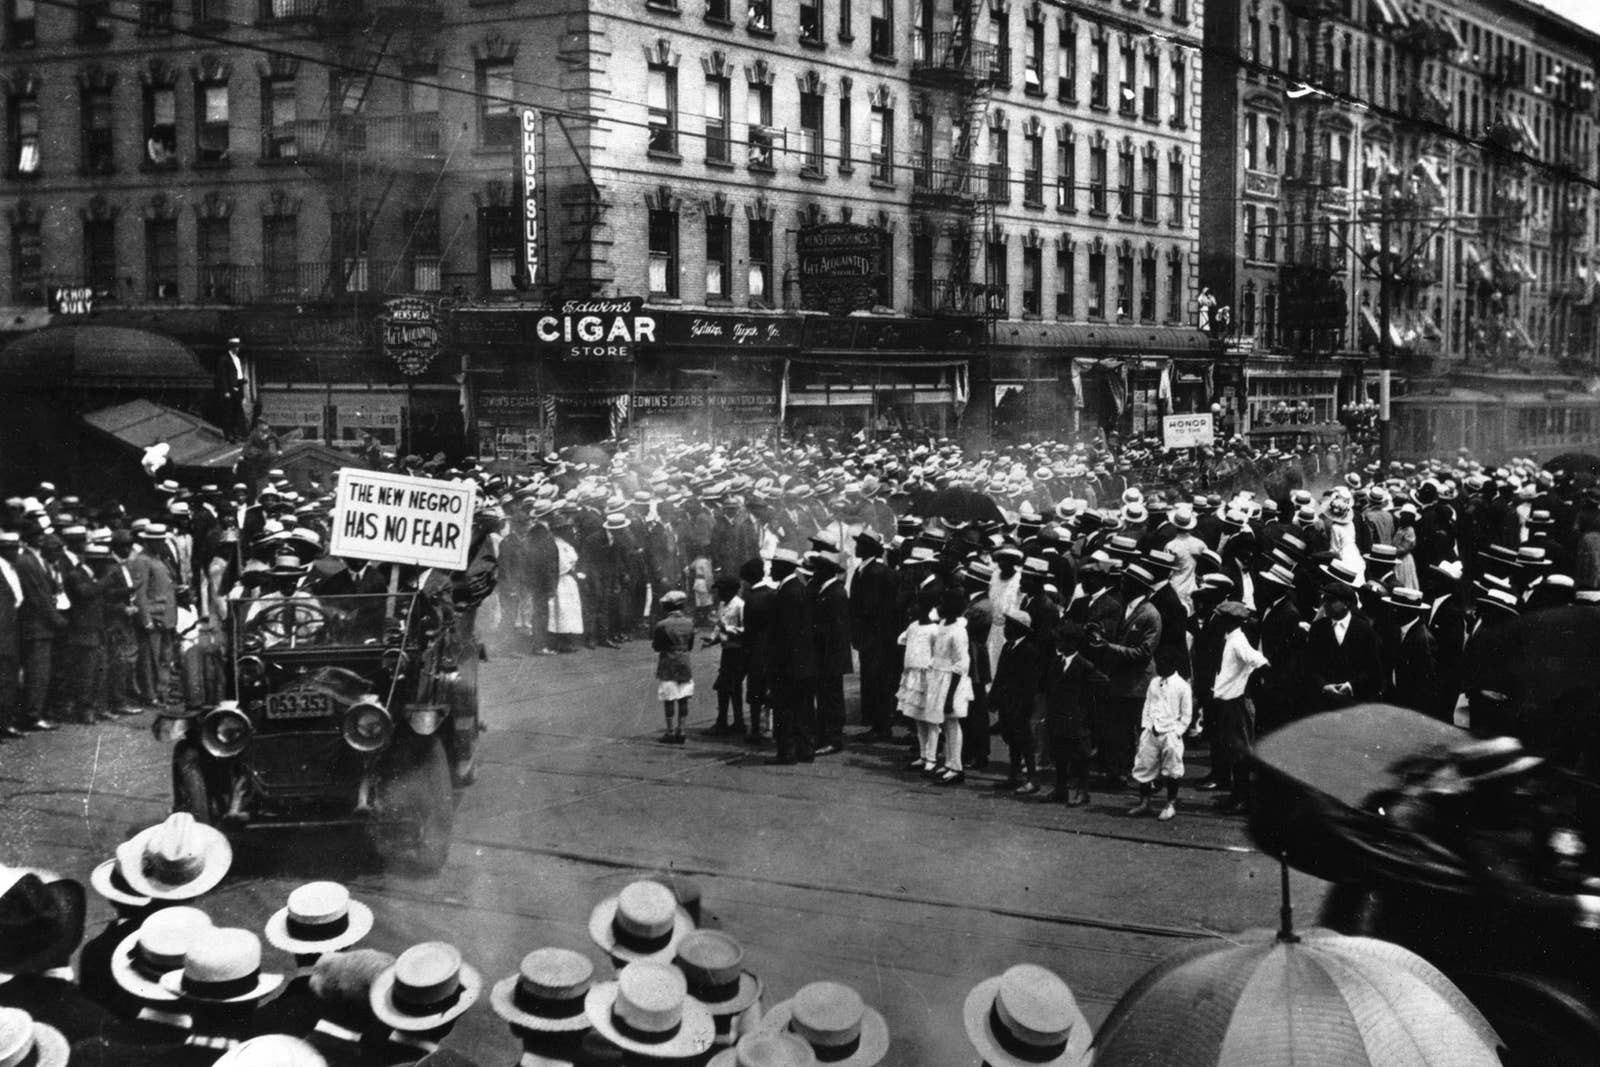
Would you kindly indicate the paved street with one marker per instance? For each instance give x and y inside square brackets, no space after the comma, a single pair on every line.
[847,869]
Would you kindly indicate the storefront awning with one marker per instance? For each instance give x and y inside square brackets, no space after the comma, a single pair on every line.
[193,443]
[1103,338]
[101,355]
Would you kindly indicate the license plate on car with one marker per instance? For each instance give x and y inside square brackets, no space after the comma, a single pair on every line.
[298,704]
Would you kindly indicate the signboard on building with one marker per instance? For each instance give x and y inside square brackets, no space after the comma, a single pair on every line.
[729,331]
[841,267]
[359,411]
[1187,431]
[530,198]
[393,518]
[294,414]
[71,300]
[596,329]
[408,330]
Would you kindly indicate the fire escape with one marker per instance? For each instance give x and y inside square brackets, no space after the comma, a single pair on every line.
[1573,318]
[958,72]
[1501,273]
[360,155]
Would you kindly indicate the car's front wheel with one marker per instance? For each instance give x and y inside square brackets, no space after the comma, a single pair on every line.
[416,808]
[189,783]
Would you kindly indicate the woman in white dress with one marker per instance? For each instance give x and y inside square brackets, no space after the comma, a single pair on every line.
[912,697]
[950,689]
[566,606]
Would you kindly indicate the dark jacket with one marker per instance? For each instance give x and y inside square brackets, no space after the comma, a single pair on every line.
[86,624]
[1106,612]
[544,566]
[759,604]
[1070,693]
[1128,656]
[1016,677]
[10,623]
[673,641]
[41,619]
[1174,624]
[980,620]
[874,616]
[793,652]
[1358,661]
[1415,680]
[1283,643]
[831,625]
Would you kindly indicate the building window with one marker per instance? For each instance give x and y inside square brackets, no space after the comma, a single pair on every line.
[1125,284]
[881,136]
[160,125]
[811,133]
[883,28]
[100,257]
[1099,57]
[1097,285]
[885,286]
[1067,80]
[1175,192]
[811,21]
[94,21]
[999,283]
[1269,148]
[352,232]
[1147,198]
[922,272]
[1065,266]
[1251,147]
[1032,280]
[760,274]
[1127,91]
[1253,42]
[214,256]
[497,122]
[719,135]
[1125,181]
[1274,47]
[846,133]
[1247,310]
[1067,174]
[161,258]
[717,11]
[1033,176]
[663,253]
[281,111]
[27,263]
[1175,289]
[758,117]
[1147,289]
[280,256]
[999,189]
[500,238]
[1269,318]
[760,16]
[1269,236]
[1152,87]
[846,28]
[1097,179]
[21,24]
[423,250]
[211,122]
[662,93]
[1180,117]
[155,17]
[1033,58]
[99,156]
[1000,39]
[719,256]
[1249,231]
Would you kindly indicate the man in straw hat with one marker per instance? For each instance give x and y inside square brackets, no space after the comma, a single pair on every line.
[648,1013]
[424,993]
[1026,1017]
[1411,653]
[543,1003]
[1127,656]
[712,963]
[793,662]
[642,922]
[831,1017]
[1016,683]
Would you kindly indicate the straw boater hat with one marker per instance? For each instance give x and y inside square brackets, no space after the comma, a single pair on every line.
[643,922]
[547,993]
[765,1049]
[1404,598]
[156,949]
[835,1022]
[427,987]
[107,880]
[178,859]
[1026,1017]
[27,1043]
[223,967]
[712,963]
[319,917]
[273,1050]
[648,1012]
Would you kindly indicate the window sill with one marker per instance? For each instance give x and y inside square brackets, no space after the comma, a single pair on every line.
[1061,209]
[1102,108]
[846,170]
[94,37]
[847,38]
[811,174]
[719,301]
[719,164]
[1032,316]
[665,157]
[267,161]
[886,58]
[1177,123]
[209,25]
[1069,101]
[1149,222]
[212,164]
[663,8]
[492,150]
[1033,91]
[19,176]
[762,168]
[881,183]
[720,23]
[663,298]
[1154,120]
[1037,205]
[19,46]
[148,167]
[1174,224]
[1094,214]
[816,44]
[759,31]
[1096,316]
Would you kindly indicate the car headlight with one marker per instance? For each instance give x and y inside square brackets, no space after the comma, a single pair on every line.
[225,732]
[252,671]
[367,725]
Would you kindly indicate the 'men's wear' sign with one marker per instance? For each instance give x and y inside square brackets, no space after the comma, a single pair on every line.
[1187,431]
[392,518]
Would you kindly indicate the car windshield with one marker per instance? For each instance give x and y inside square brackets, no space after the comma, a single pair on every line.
[301,619]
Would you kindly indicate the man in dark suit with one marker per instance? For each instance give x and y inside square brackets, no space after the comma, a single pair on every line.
[1101,605]
[43,619]
[11,596]
[363,618]
[760,595]
[88,584]
[1127,656]
[1016,684]
[832,634]
[232,393]
[980,620]
[1169,605]
[1344,658]
[792,663]
[874,626]
[1412,652]
[1275,688]
[1073,687]
[1449,621]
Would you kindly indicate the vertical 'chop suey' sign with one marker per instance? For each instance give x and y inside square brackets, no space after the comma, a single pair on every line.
[530,199]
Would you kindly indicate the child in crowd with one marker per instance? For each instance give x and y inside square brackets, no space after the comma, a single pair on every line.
[1071,686]
[731,670]
[1168,709]
[674,642]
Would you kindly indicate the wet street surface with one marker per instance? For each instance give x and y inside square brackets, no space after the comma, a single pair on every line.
[848,869]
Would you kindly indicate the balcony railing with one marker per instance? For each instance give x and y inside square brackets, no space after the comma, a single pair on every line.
[294,283]
[997,184]
[339,137]
[329,12]
[940,178]
[952,55]
[1425,104]
[951,296]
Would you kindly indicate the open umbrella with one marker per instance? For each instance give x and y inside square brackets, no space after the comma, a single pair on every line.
[1578,463]
[1280,998]
[960,504]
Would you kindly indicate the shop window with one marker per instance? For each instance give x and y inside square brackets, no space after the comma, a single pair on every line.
[497,120]
[885,293]
[883,28]
[1147,289]
[160,126]
[211,122]
[664,253]
[1066,266]
[758,119]
[161,259]
[719,256]
[100,257]
[811,21]
[99,145]
[423,250]
[281,110]
[280,256]
[501,240]
[661,90]
[719,139]
[759,281]
[811,134]
[21,24]
[1097,285]
[214,259]
[27,263]
[1032,280]
[881,137]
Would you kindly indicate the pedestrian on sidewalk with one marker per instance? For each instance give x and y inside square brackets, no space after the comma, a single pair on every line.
[1072,688]
[1016,682]
[733,666]
[674,642]
[1168,709]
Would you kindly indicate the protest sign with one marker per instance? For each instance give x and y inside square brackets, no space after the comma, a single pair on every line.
[392,518]
[1187,431]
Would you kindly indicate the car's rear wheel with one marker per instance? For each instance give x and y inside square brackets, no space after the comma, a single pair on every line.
[189,784]
[417,807]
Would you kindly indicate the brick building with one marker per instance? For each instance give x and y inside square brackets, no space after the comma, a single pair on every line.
[1018,184]
[1471,127]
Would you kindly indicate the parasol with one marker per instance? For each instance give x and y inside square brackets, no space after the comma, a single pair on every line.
[1581,463]
[960,504]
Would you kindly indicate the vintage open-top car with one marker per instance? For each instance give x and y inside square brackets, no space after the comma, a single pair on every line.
[347,710]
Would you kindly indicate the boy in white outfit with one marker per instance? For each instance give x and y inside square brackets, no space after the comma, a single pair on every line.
[1168,710]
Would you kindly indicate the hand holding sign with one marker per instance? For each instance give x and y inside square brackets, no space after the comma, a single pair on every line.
[393,518]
